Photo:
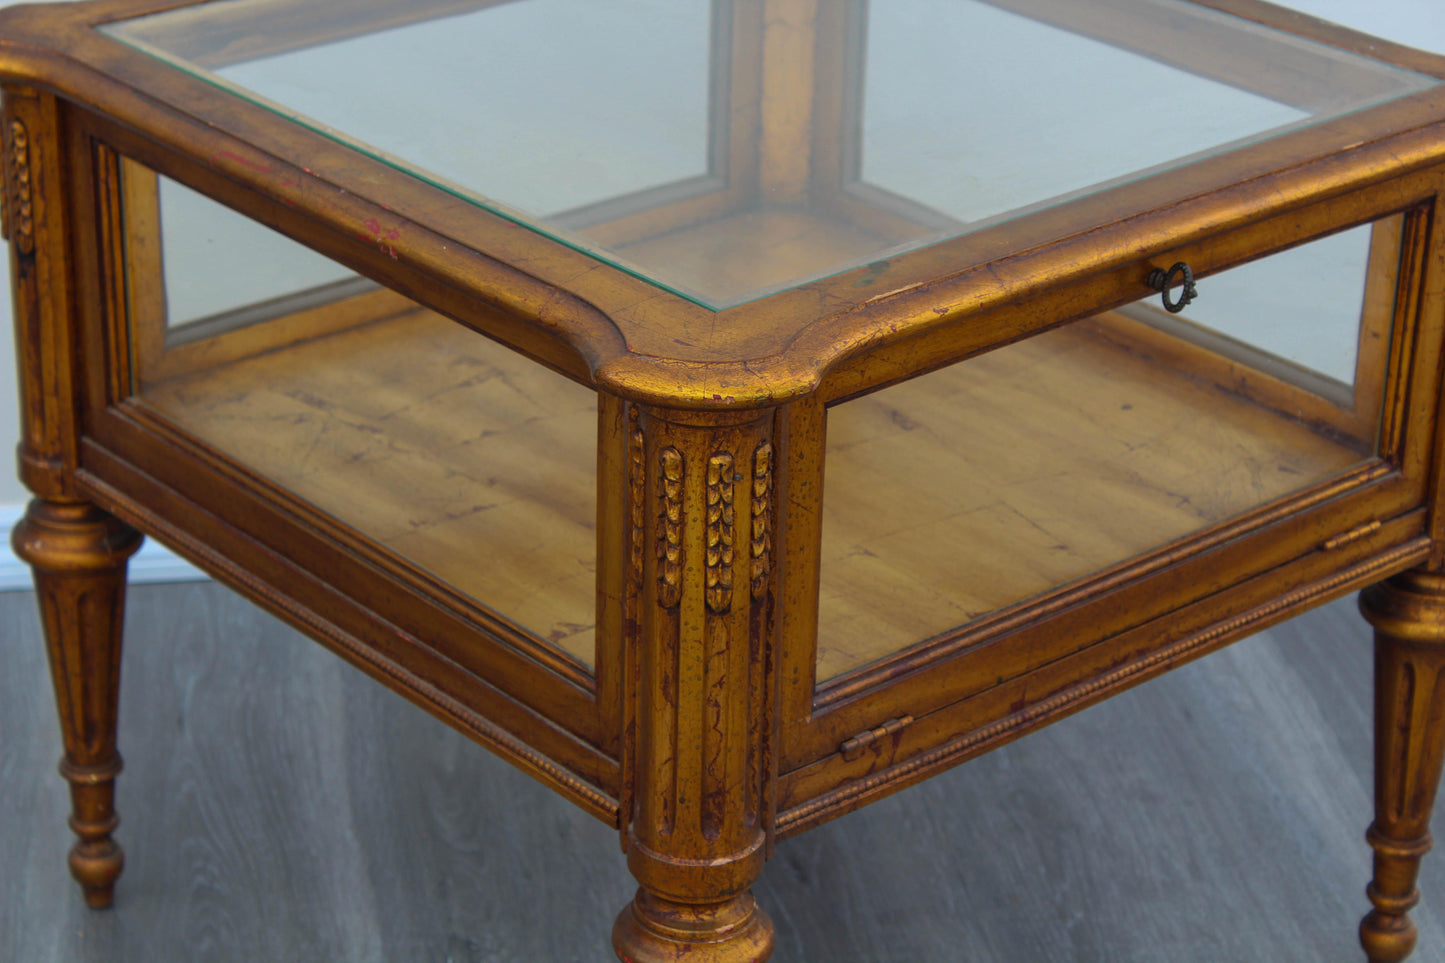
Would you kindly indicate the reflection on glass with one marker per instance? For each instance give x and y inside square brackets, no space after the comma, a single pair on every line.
[979,486]
[432,442]
[611,128]
[727,149]
[205,278]
[1301,306]
[1042,112]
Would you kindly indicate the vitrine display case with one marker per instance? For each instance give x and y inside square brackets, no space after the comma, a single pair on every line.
[733,411]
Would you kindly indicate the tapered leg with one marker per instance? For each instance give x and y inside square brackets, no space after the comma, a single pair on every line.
[78,554]
[1408,613]
[700,708]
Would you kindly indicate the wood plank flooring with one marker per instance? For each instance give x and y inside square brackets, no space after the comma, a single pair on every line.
[278,806]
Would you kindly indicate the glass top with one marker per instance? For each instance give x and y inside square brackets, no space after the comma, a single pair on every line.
[729,149]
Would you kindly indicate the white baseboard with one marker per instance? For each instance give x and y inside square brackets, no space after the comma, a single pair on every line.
[153,563]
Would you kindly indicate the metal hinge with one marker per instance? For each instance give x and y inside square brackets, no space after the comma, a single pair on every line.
[1353,535]
[853,748]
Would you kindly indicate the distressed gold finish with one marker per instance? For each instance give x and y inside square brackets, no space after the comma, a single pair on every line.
[636,480]
[1408,613]
[669,537]
[1353,535]
[696,838]
[762,539]
[19,209]
[853,748]
[720,518]
[79,556]
[740,642]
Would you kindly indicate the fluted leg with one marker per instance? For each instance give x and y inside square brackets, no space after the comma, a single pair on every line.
[78,554]
[699,612]
[1408,613]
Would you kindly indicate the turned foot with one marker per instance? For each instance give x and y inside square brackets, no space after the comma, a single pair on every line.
[655,930]
[1408,613]
[78,554]
[96,860]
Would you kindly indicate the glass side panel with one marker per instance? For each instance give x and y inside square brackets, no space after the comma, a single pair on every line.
[482,473]
[970,489]
[728,149]
[204,278]
[1302,305]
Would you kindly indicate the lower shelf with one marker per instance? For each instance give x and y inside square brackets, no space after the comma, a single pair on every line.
[467,460]
[947,497]
[978,486]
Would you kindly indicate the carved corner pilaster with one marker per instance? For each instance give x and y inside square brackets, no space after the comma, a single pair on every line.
[699,709]
[37,225]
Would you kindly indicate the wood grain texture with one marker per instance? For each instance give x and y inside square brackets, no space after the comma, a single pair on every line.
[482,471]
[697,833]
[281,807]
[1020,470]
[1120,442]
[43,300]
[1408,613]
[78,554]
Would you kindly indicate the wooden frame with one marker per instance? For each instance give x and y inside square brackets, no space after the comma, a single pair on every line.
[878,690]
[702,735]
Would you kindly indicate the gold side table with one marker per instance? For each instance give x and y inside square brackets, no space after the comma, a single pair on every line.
[733,411]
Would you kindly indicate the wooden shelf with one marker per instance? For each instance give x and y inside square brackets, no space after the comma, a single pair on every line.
[468,460]
[955,494]
[947,497]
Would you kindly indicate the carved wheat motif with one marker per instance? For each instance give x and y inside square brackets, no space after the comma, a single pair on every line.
[720,521]
[762,544]
[636,481]
[669,539]
[19,208]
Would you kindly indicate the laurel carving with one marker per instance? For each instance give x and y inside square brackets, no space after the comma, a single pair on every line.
[762,541]
[636,480]
[669,539]
[720,521]
[20,206]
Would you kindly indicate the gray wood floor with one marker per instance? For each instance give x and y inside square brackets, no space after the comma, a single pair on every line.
[278,806]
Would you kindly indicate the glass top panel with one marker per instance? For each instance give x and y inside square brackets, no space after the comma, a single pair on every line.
[729,149]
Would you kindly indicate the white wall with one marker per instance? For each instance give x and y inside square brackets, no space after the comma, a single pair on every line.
[1420,23]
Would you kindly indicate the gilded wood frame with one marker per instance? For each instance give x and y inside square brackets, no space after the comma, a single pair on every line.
[766,351]
[711,435]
